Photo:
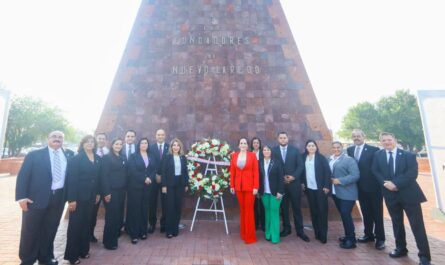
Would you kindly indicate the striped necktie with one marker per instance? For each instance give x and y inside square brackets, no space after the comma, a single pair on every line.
[57,167]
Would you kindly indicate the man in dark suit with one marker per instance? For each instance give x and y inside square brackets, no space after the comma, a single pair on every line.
[101,150]
[396,171]
[369,192]
[293,166]
[129,147]
[160,150]
[40,193]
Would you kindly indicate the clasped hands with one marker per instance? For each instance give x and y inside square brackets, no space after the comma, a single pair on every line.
[255,191]
[288,179]
[390,185]
[164,189]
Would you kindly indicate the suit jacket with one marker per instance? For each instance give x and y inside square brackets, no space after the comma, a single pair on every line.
[293,165]
[405,176]
[169,178]
[113,173]
[276,177]
[322,172]
[346,170]
[83,177]
[245,179]
[34,179]
[155,151]
[368,181]
[138,172]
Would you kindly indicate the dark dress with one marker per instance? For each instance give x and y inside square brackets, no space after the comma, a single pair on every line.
[175,191]
[82,188]
[113,181]
[138,194]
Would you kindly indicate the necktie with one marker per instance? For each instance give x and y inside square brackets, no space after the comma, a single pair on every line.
[283,153]
[57,167]
[357,153]
[160,150]
[391,165]
[128,150]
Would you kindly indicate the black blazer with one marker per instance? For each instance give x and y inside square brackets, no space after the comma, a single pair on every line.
[137,172]
[293,164]
[276,177]
[168,172]
[113,173]
[367,182]
[82,177]
[155,151]
[405,176]
[34,179]
[322,172]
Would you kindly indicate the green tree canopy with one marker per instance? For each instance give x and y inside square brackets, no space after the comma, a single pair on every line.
[30,120]
[398,114]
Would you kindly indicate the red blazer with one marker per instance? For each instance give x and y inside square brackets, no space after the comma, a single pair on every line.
[245,179]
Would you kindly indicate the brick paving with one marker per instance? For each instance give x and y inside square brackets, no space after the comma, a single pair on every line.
[208,243]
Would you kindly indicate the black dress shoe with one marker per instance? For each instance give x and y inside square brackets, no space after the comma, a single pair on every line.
[380,244]
[365,239]
[52,262]
[169,236]
[341,239]
[111,248]
[143,237]
[348,244]
[93,239]
[397,253]
[151,230]
[424,261]
[134,241]
[323,240]
[304,237]
[285,233]
[76,261]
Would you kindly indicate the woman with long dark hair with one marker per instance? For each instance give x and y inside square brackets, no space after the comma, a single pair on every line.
[317,182]
[83,172]
[113,181]
[141,173]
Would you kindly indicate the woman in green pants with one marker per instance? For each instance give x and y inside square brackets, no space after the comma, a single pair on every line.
[271,190]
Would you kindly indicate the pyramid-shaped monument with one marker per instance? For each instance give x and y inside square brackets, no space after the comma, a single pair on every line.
[213,68]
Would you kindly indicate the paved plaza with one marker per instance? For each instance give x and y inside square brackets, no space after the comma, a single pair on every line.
[208,243]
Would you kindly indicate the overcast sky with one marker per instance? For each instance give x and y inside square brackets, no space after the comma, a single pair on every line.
[67,52]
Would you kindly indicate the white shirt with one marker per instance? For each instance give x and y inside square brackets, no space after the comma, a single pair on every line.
[331,165]
[177,161]
[61,182]
[283,149]
[310,173]
[105,151]
[394,155]
[266,176]
[129,149]
[360,151]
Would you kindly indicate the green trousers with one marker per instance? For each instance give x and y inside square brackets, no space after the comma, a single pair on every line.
[272,214]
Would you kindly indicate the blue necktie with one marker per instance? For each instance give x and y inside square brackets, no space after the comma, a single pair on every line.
[391,166]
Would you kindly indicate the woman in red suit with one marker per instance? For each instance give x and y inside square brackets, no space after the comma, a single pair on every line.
[244,181]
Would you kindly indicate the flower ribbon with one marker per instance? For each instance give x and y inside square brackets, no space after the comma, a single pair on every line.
[201,160]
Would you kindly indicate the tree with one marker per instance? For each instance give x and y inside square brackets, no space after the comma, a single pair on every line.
[30,120]
[398,114]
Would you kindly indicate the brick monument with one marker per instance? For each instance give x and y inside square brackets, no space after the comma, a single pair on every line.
[222,69]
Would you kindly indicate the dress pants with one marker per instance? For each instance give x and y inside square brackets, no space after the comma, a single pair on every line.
[246,201]
[39,228]
[415,217]
[136,223]
[155,192]
[292,195]
[345,208]
[318,206]
[78,236]
[173,206]
[259,214]
[272,217]
[94,216]
[114,214]
[371,204]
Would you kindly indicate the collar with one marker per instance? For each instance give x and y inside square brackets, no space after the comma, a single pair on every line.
[394,151]
[54,150]
[361,146]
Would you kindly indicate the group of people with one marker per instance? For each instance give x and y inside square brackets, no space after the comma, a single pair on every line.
[128,175]
[266,180]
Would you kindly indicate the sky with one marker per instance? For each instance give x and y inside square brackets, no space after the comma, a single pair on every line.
[67,52]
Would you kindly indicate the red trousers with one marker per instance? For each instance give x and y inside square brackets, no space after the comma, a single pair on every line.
[246,200]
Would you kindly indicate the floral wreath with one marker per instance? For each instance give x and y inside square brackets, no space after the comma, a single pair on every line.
[214,155]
